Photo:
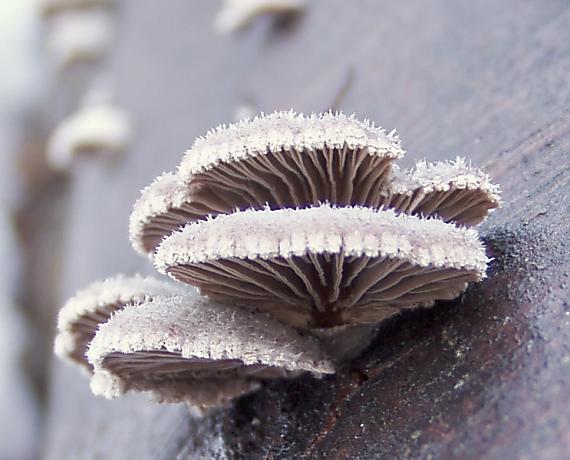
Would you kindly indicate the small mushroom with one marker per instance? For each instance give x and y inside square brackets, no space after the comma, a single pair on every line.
[187,348]
[238,14]
[324,266]
[50,7]
[162,208]
[82,314]
[452,191]
[83,34]
[287,160]
[98,126]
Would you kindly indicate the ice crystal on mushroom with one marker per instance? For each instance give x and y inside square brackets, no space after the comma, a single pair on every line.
[306,219]
[187,348]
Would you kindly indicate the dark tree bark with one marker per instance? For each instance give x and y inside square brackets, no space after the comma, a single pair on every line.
[482,377]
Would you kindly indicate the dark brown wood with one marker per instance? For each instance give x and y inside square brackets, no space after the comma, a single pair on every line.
[483,377]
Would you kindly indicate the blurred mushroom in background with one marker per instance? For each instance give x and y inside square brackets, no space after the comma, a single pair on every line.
[238,14]
[20,89]
[50,7]
[78,30]
[99,127]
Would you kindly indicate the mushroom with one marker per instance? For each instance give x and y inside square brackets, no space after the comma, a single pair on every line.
[287,160]
[163,207]
[324,266]
[82,314]
[238,14]
[50,7]
[98,126]
[187,348]
[81,34]
[283,159]
[301,238]
[452,191]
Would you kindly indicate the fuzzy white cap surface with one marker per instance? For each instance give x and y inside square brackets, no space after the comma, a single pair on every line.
[441,176]
[199,328]
[354,231]
[286,131]
[118,290]
[165,193]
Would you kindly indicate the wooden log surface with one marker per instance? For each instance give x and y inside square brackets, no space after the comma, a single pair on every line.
[482,377]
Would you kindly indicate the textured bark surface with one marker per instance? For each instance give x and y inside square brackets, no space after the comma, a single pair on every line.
[482,377]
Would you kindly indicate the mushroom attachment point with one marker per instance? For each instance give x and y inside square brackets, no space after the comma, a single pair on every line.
[83,313]
[325,266]
[187,348]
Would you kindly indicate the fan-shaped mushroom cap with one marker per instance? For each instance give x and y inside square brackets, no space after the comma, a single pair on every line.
[324,266]
[289,160]
[163,207]
[451,190]
[82,314]
[237,14]
[191,348]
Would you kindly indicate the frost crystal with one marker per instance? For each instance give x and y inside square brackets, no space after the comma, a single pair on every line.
[82,314]
[325,266]
[189,348]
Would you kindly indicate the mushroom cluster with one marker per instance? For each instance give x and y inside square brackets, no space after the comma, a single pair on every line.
[300,234]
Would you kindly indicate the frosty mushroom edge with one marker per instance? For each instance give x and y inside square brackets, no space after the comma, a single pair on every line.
[344,239]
